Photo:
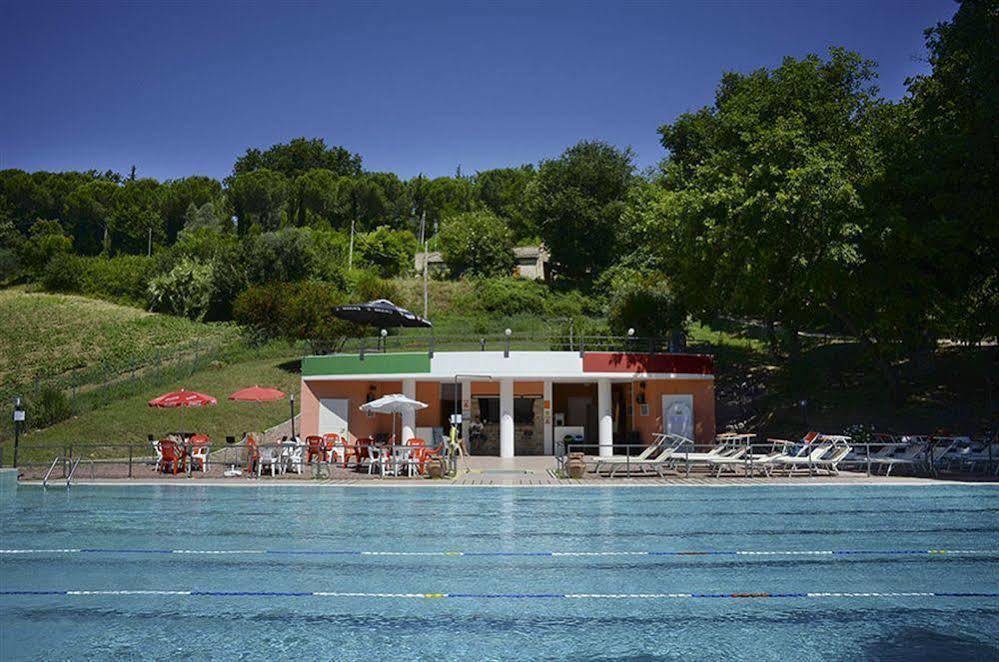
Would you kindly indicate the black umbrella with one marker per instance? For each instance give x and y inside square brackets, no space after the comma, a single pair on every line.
[381,313]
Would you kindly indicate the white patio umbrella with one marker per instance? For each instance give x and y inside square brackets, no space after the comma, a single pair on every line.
[395,403]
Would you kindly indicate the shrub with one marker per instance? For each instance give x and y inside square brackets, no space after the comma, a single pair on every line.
[329,250]
[46,240]
[282,256]
[510,296]
[47,408]
[645,303]
[185,290]
[62,273]
[365,285]
[477,243]
[389,252]
[295,311]
[125,277]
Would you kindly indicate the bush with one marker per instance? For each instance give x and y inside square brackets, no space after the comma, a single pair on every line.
[10,265]
[124,278]
[46,241]
[365,285]
[295,311]
[186,290]
[477,243]
[645,303]
[62,273]
[47,408]
[283,256]
[329,251]
[510,296]
[389,252]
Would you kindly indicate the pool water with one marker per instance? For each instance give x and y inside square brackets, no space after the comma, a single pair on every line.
[494,573]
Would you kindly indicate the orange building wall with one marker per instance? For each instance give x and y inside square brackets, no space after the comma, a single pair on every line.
[361,425]
[703,391]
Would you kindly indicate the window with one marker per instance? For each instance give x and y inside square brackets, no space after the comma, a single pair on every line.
[489,410]
[523,411]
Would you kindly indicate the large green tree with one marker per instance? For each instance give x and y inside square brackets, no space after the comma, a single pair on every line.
[298,156]
[259,198]
[504,192]
[179,194]
[477,243]
[577,201]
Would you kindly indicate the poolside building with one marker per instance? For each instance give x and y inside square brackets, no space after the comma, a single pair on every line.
[515,402]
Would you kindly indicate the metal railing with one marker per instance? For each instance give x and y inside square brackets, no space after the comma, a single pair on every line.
[430,343]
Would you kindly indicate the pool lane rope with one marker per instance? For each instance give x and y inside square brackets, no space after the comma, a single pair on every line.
[465,554]
[503,596]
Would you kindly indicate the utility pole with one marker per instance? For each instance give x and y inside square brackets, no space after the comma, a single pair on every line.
[149,249]
[350,252]
[426,258]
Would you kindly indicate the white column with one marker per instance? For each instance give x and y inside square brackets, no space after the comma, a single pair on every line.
[408,417]
[605,425]
[466,409]
[506,418]
[546,396]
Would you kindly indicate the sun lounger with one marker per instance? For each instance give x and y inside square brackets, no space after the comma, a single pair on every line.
[823,457]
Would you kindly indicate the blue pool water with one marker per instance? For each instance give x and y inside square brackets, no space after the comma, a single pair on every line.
[499,592]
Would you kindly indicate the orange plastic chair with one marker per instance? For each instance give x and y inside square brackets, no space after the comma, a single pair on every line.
[315,443]
[173,457]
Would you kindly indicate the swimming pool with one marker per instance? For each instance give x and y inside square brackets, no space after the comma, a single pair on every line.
[552,573]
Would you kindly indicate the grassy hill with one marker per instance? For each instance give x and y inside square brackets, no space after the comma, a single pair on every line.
[75,340]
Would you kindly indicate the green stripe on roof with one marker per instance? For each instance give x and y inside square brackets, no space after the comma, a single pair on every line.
[373,364]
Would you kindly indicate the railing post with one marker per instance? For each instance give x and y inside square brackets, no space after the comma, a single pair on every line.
[867,452]
[482,344]
[129,459]
[582,348]
[360,354]
[431,351]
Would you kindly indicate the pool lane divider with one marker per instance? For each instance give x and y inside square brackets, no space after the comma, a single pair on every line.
[461,554]
[504,596]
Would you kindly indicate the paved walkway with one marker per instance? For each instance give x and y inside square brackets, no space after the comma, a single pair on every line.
[481,472]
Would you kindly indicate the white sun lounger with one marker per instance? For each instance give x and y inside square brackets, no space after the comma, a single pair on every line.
[650,458]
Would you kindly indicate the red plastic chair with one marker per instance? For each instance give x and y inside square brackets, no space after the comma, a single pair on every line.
[315,449]
[173,457]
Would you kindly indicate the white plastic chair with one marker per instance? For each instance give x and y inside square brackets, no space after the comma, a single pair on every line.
[270,457]
[293,457]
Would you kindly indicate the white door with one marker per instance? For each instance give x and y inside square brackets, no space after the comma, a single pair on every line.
[678,415]
[333,415]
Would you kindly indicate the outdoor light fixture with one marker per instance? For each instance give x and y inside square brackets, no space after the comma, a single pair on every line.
[508,332]
[631,332]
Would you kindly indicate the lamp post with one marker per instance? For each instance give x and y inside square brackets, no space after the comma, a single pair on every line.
[293,416]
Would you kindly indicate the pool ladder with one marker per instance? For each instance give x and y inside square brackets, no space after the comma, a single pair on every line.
[69,479]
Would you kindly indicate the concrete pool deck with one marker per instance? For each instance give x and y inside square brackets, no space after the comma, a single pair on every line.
[500,472]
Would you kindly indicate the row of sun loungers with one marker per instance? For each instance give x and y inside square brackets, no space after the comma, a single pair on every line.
[672,453]
[816,454]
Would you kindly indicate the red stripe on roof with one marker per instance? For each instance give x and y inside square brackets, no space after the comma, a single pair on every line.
[695,364]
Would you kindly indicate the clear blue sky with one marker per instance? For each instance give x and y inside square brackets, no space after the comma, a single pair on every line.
[183,88]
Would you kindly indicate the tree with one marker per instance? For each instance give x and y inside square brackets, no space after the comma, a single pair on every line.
[441,197]
[295,311]
[477,244]
[644,302]
[88,211]
[504,192]
[179,194]
[298,156]
[282,256]
[576,202]
[46,241]
[389,252]
[205,216]
[317,199]
[947,184]
[259,198]
[135,216]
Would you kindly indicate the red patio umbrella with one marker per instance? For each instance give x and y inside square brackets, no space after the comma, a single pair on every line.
[257,394]
[182,399]
[264,394]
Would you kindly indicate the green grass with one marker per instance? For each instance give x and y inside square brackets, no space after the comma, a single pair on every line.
[70,338]
[130,419]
